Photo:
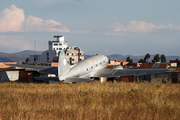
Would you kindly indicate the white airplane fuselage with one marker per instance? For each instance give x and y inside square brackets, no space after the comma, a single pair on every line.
[86,68]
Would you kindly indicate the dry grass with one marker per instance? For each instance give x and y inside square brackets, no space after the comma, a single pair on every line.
[89,101]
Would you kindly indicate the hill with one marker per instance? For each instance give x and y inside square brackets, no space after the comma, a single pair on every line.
[15,57]
[29,52]
[21,56]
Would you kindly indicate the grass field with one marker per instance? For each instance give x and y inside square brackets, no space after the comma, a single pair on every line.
[89,101]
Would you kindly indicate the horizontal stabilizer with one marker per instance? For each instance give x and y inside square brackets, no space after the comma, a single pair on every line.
[39,68]
[47,79]
[74,80]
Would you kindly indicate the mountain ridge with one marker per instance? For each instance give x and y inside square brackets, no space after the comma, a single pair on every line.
[22,55]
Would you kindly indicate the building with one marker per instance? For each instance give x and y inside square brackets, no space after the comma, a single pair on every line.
[132,65]
[51,55]
[175,63]
[113,63]
[74,55]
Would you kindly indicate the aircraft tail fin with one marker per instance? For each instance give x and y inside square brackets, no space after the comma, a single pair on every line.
[63,66]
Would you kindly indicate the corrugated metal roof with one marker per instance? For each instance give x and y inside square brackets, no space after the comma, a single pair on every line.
[4,59]
[146,66]
[174,69]
[153,66]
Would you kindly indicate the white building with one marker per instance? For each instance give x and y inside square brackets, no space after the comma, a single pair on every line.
[48,55]
[58,45]
[73,54]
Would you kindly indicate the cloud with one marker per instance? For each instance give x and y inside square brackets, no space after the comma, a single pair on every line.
[13,19]
[37,24]
[141,26]
[170,26]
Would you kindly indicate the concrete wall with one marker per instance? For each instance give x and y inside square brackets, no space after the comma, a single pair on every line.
[35,58]
[166,77]
[52,53]
[7,76]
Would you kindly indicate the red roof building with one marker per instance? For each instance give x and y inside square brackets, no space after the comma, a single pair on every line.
[154,66]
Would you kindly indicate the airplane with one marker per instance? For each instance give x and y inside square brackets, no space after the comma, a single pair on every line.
[84,71]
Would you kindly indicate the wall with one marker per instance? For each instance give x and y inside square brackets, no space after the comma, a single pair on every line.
[129,78]
[7,76]
[163,77]
[51,55]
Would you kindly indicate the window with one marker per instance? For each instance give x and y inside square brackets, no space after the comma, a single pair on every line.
[54,49]
[34,59]
[60,48]
[55,44]
[67,54]
[60,44]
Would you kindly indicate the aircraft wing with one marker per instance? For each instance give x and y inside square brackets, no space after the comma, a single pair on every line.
[125,72]
[39,68]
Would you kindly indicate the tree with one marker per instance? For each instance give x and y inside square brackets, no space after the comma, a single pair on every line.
[163,58]
[128,59]
[141,61]
[131,61]
[147,57]
[156,58]
[27,60]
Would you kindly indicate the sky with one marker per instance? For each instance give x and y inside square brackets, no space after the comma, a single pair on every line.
[127,27]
